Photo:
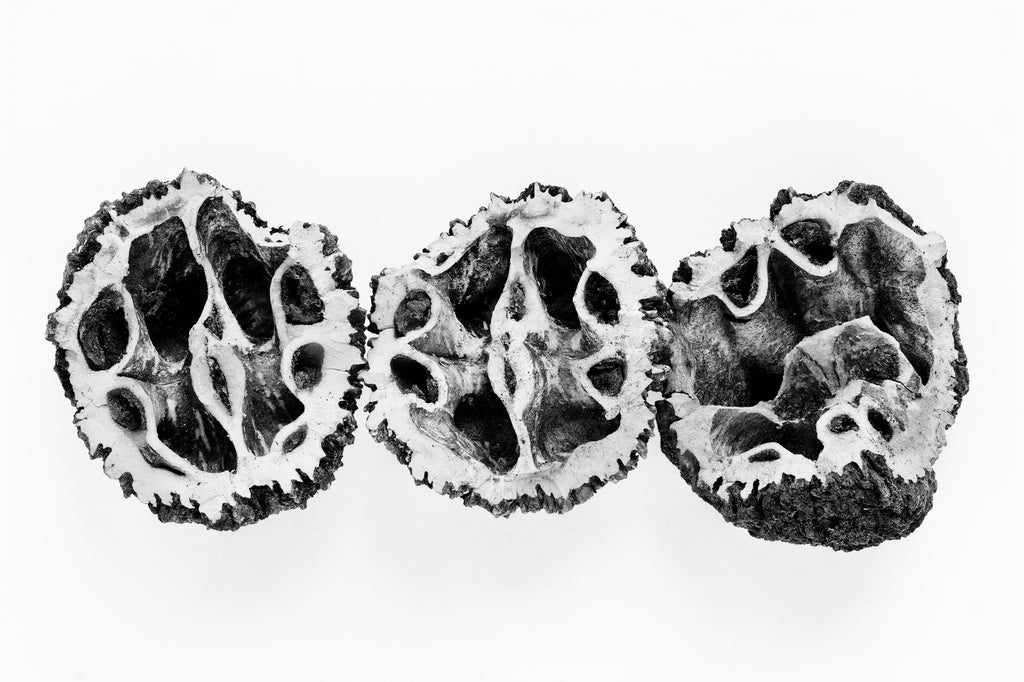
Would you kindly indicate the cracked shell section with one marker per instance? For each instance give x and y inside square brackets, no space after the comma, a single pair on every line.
[514,354]
[212,360]
[816,366]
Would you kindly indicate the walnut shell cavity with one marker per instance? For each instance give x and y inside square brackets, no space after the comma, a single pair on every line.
[816,364]
[515,353]
[212,359]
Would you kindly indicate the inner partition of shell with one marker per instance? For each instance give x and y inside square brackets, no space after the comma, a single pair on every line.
[197,342]
[809,339]
[513,354]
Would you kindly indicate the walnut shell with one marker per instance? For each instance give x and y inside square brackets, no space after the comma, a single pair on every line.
[212,360]
[816,364]
[515,353]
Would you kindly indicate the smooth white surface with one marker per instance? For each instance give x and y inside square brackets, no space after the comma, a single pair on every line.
[384,122]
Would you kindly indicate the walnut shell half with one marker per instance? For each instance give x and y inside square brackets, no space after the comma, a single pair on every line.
[816,364]
[212,360]
[515,353]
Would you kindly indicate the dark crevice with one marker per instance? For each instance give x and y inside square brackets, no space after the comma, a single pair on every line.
[220,383]
[764,385]
[156,460]
[842,423]
[103,331]
[563,428]
[728,238]
[214,216]
[125,410]
[214,324]
[245,280]
[294,440]
[483,419]
[813,238]
[510,378]
[167,285]
[243,272]
[739,282]
[738,432]
[413,377]
[307,365]
[299,299]
[601,299]
[880,423]
[194,434]
[556,263]
[412,313]
[683,273]
[476,281]
[766,455]
[608,375]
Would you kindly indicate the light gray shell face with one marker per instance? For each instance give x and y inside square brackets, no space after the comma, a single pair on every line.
[815,368]
[212,360]
[515,353]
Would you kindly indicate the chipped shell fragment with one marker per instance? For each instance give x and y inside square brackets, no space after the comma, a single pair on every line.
[514,355]
[816,364]
[193,340]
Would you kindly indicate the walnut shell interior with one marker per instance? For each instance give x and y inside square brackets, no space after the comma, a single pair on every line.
[515,353]
[816,365]
[195,342]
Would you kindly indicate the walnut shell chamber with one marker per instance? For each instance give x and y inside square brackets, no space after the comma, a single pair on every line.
[816,364]
[514,355]
[212,360]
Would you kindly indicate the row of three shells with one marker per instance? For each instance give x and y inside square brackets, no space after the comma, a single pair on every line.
[215,362]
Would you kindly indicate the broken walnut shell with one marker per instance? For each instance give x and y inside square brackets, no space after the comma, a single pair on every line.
[514,355]
[816,364]
[212,360]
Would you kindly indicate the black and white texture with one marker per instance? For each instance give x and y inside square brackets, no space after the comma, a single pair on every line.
[515,353]
[816,364]
[212,359]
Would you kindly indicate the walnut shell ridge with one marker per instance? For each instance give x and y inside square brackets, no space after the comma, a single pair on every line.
[212,359]
[515,353]
[816,365]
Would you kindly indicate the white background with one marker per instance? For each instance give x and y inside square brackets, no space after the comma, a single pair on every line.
[384,121]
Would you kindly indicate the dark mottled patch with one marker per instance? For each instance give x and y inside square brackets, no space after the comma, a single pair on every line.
[125,410]
[556,263]
[412,313]
[103,331]
[413,377]
[299,298]
[842,423]
[739,282]
[728,238]
[601,299]
[483,419]
[608,375]
[813,238]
